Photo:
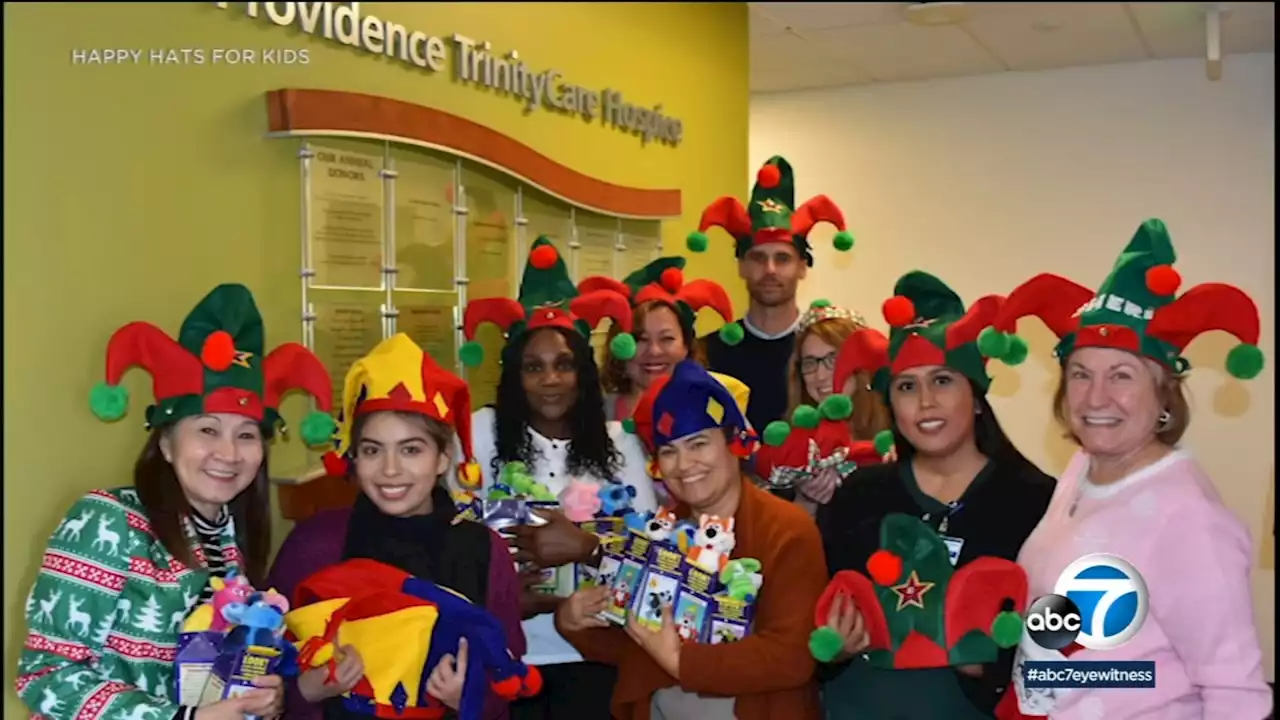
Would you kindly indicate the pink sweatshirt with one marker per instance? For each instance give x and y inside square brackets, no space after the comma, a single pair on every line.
[1195,556]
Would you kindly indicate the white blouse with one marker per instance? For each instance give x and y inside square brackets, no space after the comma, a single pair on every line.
[549,467]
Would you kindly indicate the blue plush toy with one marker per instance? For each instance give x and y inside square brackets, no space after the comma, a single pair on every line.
[615,500]
[258,621]
[636,521]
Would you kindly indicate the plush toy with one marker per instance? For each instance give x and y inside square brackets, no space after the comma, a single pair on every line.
[684,532]
[712,543]
[580,500]
[816,439]
[257,621]
[742,579]
[637,522]
[659,527]
[616,499]
[516,476]
[402,626]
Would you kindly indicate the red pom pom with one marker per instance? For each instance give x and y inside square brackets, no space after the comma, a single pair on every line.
[532,682]
[671,279]
[899,311]
[1163,280]
[335,465]
[769,177]
[884,567]
[219,351]
[508,689]
[543,257]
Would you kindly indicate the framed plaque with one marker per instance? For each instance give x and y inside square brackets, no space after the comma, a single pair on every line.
[428,320]
[642,239]
[346,241]
[545,215]
[491,207]
[425,223]
[597,240]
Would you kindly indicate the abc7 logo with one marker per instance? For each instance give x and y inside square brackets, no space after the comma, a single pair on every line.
[1099,602]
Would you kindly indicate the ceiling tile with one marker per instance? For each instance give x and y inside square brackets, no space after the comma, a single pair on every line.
[817,16]
[762,25]
[815,78]
[1178,29]
[902,51]
[1055,35]
[786,50]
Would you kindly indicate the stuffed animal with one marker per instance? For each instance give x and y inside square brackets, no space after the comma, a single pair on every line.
[742,579]
[232,590]
[616,499]
[637,522]
[257,621]
[580,500]
[516,476]
[498,491]
[660,525]
[712,543]
[684,532]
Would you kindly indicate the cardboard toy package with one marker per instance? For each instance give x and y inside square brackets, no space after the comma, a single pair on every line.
[659,585]
[730,620]
[627,569]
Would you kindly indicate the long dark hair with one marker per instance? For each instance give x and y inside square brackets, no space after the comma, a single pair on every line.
[590,448]
[162,497]
[987,434]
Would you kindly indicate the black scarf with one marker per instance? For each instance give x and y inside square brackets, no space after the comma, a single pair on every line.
[412,544]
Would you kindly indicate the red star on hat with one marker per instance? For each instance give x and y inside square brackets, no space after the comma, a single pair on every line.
[911,593]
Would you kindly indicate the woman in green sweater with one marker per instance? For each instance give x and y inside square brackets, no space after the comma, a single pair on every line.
[958,473]
[127,565]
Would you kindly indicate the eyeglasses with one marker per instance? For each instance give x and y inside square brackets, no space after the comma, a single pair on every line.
[810,364]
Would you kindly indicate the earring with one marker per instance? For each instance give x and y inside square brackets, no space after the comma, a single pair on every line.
[1166,417]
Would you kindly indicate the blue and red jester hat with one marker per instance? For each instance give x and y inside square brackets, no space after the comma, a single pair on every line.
[689,400]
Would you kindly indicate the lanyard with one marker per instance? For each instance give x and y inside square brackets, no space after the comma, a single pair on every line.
[953,509]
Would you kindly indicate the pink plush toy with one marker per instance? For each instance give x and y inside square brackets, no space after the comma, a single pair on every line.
[234,589]
[580,500]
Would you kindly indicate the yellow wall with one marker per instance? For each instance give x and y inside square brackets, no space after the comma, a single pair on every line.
[132,190]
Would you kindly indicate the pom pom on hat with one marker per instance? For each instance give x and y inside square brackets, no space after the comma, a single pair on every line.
[805,416]
[884,567]
[671,279]
[836,407]
[1017,351]
[776,432]
[884,441]
[1245,361]
[1006,629]
[898,311]
[629,426]
[819,303]
[108,402]
[843,241]
[543,257]
[1163,280]
[623,346]
[768,177]
[825,644]
[992,343]
[471,354]
[732,334]
[335,465]
[469,475]
[318,428]
[696,242]
[219,351]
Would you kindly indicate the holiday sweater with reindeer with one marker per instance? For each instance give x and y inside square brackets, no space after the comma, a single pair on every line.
[104,614]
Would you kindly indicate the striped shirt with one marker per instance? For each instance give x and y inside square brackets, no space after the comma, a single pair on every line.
[209,542]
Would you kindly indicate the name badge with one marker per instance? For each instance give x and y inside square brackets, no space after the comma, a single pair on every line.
[953,548]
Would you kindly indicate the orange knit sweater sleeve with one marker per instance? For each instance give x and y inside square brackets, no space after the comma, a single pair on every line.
[775,656]
[602,645]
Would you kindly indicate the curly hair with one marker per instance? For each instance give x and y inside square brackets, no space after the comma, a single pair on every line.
[591,451]
[870,415]
[614,376]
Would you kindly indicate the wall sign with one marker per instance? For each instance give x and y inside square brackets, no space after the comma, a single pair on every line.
[473,62]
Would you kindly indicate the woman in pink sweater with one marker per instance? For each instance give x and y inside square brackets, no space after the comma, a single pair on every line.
[1132,492]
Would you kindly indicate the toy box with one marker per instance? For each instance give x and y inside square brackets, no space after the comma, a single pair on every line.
[626,568]
[586,575]
[694,602]
[729,621]
[659,586]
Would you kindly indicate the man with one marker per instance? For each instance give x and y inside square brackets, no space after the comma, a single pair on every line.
[772,247]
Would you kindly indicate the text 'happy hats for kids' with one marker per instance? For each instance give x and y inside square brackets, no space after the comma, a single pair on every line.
[548,298]
[217,365]
[1137,309]
[663,280]
[399,376]
[691,400]
[771,216]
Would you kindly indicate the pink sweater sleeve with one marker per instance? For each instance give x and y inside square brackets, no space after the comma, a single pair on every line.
[1201,595]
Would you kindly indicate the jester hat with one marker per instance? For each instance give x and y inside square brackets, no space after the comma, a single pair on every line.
[1136,309]
[217,365]
[548,298]
[402,626]
[772,215]
[399,376]
[816,439]
[663,280]
[919,611]
[688,401]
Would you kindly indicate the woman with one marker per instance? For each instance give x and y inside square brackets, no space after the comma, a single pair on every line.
[695,429]
[821,331]
[955,470]
[664,312]
[1132,492]
[400,414]
[126,565]
[549,415]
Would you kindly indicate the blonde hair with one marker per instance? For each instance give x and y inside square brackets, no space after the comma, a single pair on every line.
[870,415]
[613,375]
[1170,392]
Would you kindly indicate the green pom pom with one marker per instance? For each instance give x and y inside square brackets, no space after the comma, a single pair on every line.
[1245,361]
[732,334]
[843,241]
[696,242]
[471,354]
[819,303]
[884,441]
[825,644]
[1017,351]
[836,407]
[1006,629]
[623,346]
[108,402]
[629,425]
[318,428]
[992,343]
[806,416]
[776,432]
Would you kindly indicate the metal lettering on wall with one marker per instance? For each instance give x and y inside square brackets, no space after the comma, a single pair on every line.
[473,62]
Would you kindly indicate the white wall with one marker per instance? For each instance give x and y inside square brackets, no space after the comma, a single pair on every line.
[986,181]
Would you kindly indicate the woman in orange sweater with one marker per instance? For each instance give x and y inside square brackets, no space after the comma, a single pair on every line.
[695,430]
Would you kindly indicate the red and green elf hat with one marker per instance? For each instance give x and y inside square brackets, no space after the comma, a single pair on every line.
[772,215]
[921,612]
[1135,309]
[548,298]
[816,439]
[663,279]
[215,366]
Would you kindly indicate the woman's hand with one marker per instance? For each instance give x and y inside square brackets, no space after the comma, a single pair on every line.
[663,644]
[312,685]
[845,619]
[532,602]
[558,542]
[890,457]
[582,609]
[822,486]
[448,676]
